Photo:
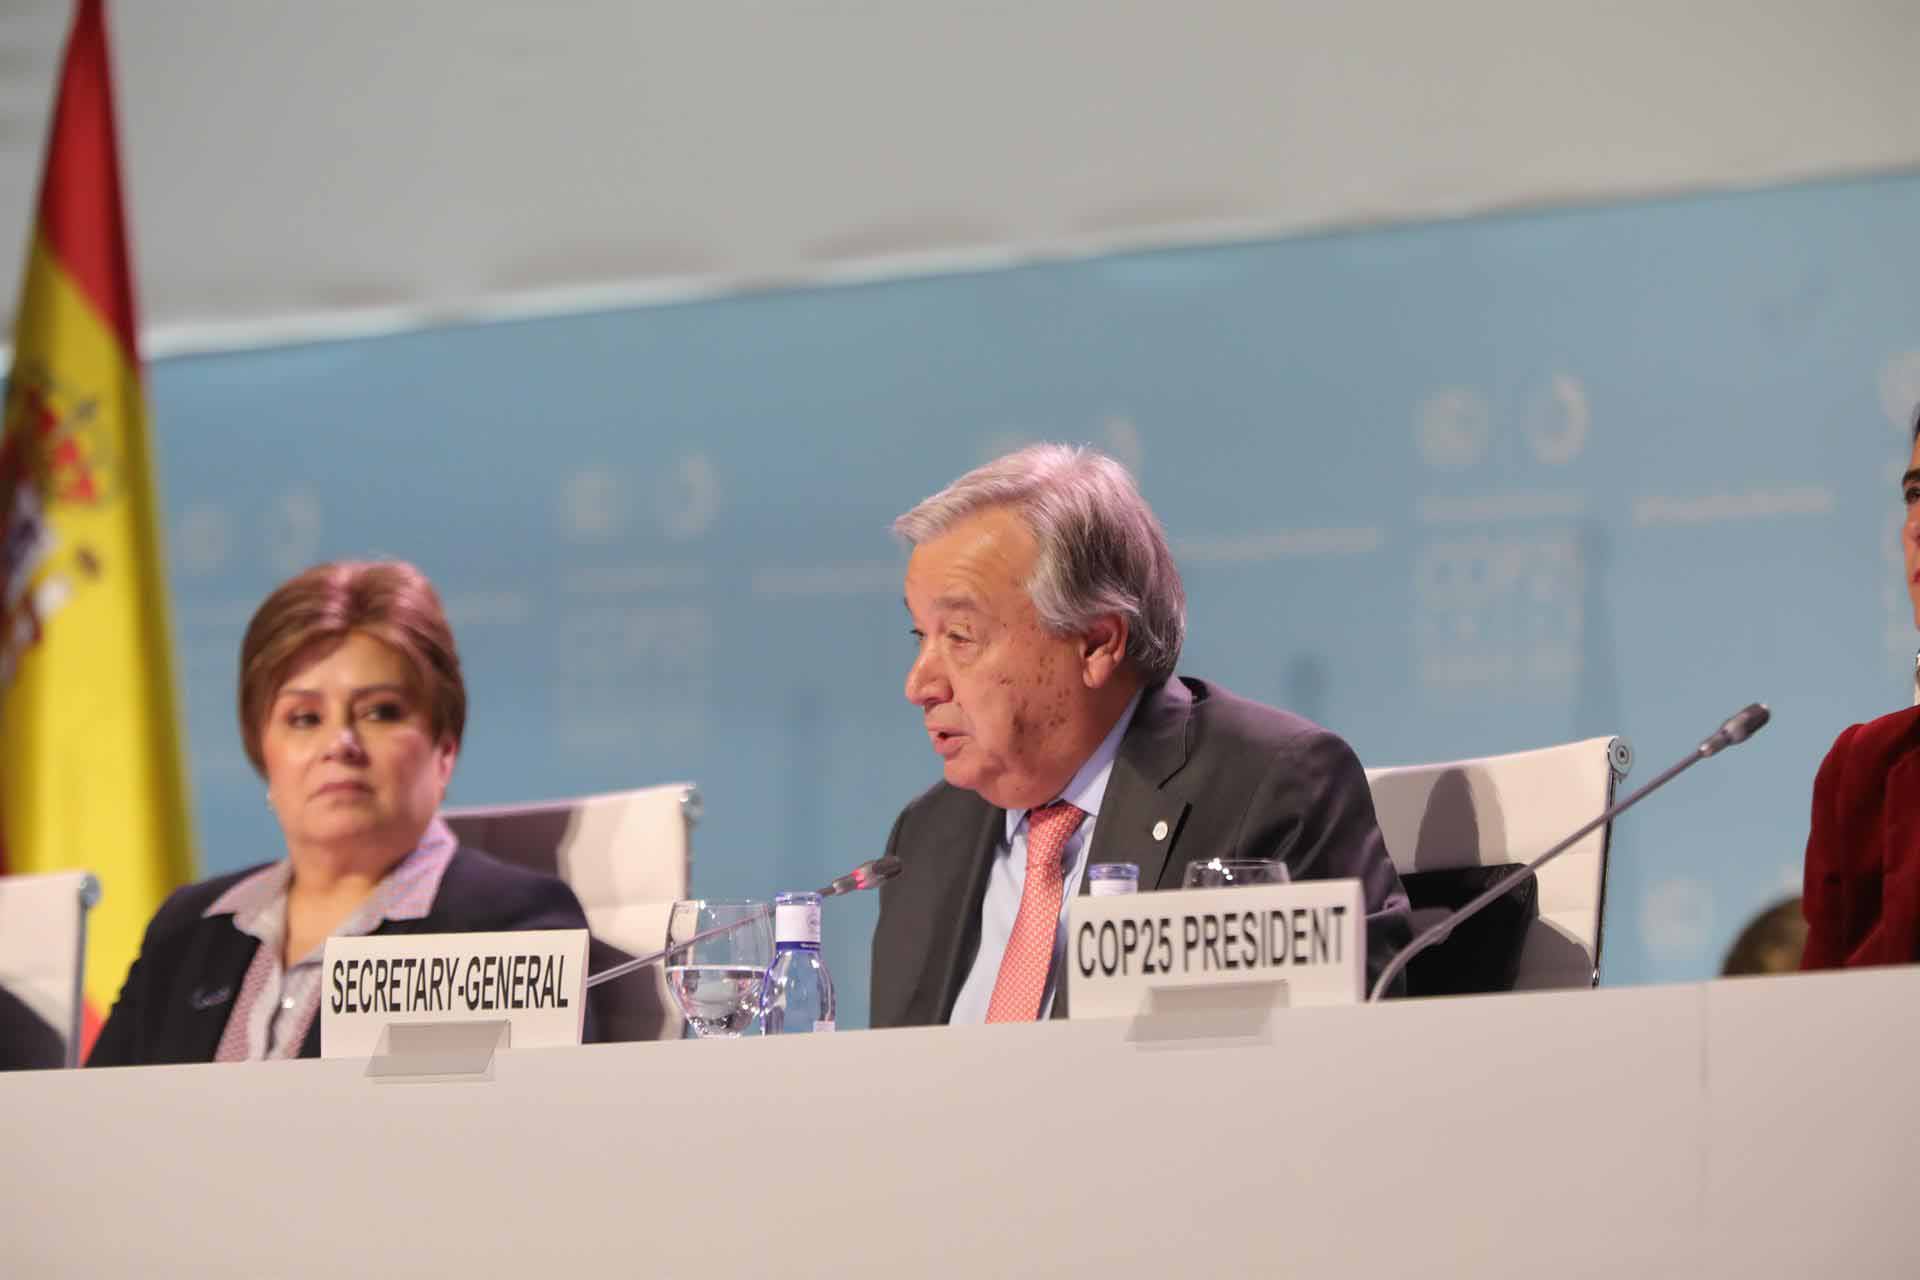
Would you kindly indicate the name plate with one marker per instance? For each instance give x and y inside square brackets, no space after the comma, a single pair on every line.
[1300,944]
[530,980]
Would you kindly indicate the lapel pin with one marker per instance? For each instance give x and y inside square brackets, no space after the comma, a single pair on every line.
[1160,829]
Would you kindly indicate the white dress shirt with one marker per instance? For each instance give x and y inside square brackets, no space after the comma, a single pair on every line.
[1008,878]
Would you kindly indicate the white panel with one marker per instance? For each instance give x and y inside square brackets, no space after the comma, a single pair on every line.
[1507,1136]
[637,928]
[1811,1160]
[617,849]
[43,922]
[629,848]
[312,169]
[1511,808]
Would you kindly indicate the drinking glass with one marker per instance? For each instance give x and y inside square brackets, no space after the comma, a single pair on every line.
[1216,873]
[717,958]
[1110,879]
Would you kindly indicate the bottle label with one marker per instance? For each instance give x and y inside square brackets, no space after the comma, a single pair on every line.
[1112,887]
[797,922]
[822,1026]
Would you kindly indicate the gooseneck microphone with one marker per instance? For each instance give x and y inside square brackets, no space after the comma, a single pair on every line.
[1740,726]
[867,875]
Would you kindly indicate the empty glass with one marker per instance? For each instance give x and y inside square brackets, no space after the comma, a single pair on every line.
[1216,873]
[717,958]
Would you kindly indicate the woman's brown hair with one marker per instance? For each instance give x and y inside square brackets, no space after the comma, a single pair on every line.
[314,612]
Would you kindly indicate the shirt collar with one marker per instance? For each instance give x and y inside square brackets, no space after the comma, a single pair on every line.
[1084,790]
[258,902]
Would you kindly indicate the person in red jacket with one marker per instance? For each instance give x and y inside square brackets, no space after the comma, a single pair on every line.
[1862,890]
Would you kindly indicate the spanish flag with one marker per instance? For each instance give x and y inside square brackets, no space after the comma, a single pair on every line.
[91,775]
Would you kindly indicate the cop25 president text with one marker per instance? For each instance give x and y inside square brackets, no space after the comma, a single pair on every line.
[1212,941]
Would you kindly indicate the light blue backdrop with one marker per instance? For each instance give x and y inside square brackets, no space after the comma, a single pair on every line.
[1452,490]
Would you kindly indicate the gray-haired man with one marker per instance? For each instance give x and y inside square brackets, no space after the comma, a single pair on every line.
[1049,616]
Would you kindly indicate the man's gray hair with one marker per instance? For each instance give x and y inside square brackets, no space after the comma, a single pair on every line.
[1102,550]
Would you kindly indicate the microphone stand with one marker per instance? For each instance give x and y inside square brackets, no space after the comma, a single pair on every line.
[1737,729]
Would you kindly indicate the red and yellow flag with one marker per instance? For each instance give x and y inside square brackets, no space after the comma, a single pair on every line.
[91,775]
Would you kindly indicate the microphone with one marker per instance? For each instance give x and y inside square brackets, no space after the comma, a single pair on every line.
[867,875]
[1740,726]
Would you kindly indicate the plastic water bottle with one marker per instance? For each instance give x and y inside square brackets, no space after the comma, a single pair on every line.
[799,991]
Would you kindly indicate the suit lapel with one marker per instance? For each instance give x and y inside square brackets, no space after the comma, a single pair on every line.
[1140,818]
[219,970]
[429,923]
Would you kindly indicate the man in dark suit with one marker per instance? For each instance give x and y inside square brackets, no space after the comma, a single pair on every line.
[1049,617]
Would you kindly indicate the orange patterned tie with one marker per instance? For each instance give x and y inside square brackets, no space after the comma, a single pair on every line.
[1022,982]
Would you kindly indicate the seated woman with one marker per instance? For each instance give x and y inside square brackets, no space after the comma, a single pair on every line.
[1862,890]
[351,708]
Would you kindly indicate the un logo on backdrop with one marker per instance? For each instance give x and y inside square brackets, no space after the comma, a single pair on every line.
[1453,428]
[293,528]
[1456,428]
[596,502]
[593,505]
[687,497]
[1557,420]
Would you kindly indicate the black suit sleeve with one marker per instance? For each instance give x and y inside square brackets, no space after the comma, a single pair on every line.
[543,902]
[549,905]
[887,993]
[114,1046]
[1314,811]
[556,907]
[135,1009]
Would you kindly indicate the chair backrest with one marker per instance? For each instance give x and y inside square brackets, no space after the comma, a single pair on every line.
[627,856]
[1511,809]
[43,951]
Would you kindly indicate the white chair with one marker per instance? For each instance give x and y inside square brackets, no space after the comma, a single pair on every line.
[43,948]
[627,856]
[1511,809]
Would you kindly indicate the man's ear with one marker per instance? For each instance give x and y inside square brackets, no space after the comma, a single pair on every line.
[1103,650]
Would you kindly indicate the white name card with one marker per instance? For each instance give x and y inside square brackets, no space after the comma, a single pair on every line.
[1309,936]
[531,980]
